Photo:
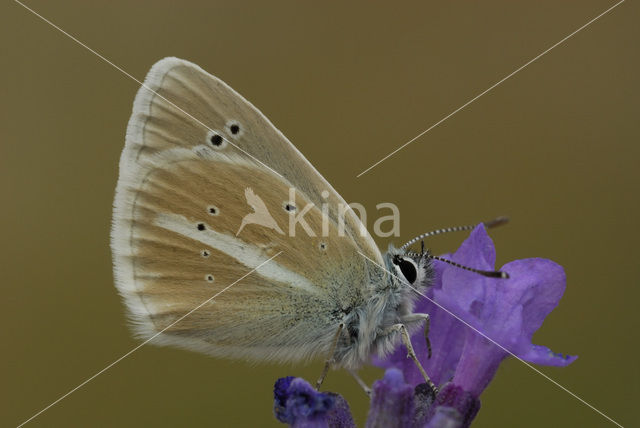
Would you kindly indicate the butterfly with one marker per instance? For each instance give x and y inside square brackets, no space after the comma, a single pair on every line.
[207,192]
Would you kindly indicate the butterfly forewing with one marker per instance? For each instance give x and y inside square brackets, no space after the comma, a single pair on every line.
[198,160]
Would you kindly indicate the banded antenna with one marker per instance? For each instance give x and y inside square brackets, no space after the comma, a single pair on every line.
[498,221]
[487,273]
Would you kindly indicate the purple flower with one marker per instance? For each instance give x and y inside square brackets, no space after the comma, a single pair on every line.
[508,311]
[454,408]
[298,404]
[392,404]
[475,323]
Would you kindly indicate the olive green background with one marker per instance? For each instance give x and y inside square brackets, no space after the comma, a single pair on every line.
[555,147]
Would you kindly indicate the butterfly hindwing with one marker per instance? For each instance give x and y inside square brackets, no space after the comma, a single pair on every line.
[194,213]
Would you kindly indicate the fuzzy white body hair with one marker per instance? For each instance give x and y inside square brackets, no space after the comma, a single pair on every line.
[389,304]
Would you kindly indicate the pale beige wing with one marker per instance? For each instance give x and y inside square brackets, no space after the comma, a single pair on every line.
[180,201]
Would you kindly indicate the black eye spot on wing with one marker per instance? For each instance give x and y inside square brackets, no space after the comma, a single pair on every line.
[234,128]
[205,253]
[209,278]
[289,207]
[216,140]
[201,226]
[213,210]
[323,246]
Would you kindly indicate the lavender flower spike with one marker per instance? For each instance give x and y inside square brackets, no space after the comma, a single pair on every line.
[298,404]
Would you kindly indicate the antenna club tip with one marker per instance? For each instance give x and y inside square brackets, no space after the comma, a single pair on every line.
[498,221]
[504,275]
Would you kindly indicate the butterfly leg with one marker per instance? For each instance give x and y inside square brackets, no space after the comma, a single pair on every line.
[427,322]
[362,383]
[329,361]
[406,340]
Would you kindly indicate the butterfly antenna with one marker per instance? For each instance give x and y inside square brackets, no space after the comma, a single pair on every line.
[487,273]
[498,221]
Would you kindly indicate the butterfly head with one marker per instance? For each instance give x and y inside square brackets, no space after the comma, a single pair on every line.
[409,268]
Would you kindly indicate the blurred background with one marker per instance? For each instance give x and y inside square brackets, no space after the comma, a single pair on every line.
[555,147]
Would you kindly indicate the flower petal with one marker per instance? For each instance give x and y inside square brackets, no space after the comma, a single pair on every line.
[536,284]
[542,355]
[392,404]
[478,252]
[454,408]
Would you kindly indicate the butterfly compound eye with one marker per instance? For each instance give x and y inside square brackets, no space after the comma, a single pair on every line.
[407,268]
